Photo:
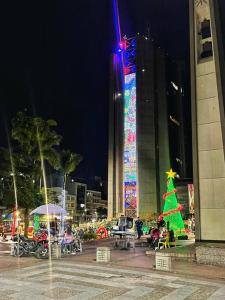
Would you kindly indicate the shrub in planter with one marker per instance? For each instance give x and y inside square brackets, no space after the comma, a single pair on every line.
[90,236]
[93,236]
[86,236]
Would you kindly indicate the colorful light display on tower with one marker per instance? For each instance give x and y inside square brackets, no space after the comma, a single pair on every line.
[126,53]
[130,164]
[130,148]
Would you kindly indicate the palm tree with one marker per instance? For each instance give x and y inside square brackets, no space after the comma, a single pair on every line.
[69,162]
[35,144]
[37,140]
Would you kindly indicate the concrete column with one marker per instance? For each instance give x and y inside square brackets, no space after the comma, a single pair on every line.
[207,123]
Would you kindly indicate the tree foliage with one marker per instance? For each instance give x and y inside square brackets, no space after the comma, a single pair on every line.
[69,161]
[15,183]
[34,142]
[37,138]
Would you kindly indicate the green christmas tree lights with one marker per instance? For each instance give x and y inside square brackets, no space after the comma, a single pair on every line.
[171,212]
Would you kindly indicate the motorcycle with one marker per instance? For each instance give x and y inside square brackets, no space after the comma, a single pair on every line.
[26,247]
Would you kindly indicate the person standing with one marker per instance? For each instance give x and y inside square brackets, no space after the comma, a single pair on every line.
[81,233]
[190,224]
[139,225]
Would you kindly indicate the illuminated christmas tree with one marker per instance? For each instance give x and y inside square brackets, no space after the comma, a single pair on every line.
[171,211]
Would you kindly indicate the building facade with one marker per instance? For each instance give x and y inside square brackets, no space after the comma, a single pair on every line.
[81,203]
[147,128]
[208,117]
[94,203]
[139,143]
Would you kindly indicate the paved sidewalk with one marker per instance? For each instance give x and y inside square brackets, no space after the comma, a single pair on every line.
[130,259]
[66,280]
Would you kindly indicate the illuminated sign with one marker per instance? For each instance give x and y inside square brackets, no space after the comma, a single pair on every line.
[129,159]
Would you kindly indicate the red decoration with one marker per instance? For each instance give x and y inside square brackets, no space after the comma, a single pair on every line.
[169,193]
[102,233]
[14,225]
[30,232]
[126,70]
[123,45]
[172,211]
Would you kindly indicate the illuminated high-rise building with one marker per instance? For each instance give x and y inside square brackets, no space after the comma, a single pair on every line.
[146,135]
[138,129]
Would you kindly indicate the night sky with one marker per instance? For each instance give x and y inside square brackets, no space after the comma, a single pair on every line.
[55,61]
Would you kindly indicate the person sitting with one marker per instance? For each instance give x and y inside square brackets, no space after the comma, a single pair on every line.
[68,236]
[171,237]
[155,234]
[164,239]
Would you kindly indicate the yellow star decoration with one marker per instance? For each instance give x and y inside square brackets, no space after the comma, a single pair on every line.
[171,174]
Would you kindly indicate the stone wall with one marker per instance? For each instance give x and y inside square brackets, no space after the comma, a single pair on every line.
[210,255]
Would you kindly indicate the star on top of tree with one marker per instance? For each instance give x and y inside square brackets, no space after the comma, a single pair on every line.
[171,174]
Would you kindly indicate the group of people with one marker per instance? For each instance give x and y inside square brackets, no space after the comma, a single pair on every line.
[157,234]
[69,229]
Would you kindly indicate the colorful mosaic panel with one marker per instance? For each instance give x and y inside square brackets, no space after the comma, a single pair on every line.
[130,168]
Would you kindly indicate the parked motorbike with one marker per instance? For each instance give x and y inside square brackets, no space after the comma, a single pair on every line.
[26,247]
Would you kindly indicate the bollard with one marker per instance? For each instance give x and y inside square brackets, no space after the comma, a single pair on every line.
[56,251]
[163,261]
[12,249]
[103,254]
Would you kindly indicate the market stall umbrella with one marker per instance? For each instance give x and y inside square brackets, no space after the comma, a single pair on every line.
[49,209]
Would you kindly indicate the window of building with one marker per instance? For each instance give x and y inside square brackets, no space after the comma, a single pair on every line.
[206,50]
[205,29]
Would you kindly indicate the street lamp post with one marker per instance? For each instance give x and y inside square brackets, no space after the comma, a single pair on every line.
[84,211]
[85,214]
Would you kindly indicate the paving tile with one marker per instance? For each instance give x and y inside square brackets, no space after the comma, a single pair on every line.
[70,281]
[60,293]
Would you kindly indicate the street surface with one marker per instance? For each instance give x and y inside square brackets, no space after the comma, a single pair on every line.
[129,275]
